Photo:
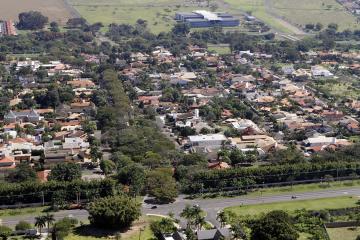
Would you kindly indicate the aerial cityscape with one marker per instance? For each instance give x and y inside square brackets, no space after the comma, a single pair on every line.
[180,119]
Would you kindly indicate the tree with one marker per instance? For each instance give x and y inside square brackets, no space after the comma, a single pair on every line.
[5,232]
[107,166]
[222,218]
[193,215]
[32,20]
[49,218]
[65,172]
[22,173]
[132,175]
[274,225]
[40,222]
[115,212]
[163,226]
[22,226]
[62,228]
[318,27]
[161,185]
[54,27]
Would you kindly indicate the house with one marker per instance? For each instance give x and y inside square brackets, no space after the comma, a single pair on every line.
[218,165]
[56,156]
[324,141]
[288,69]
[214,234]
[6,162]
[22,116]
[75,143]
[209,140]
[319,71]
[261,143]
[182,78]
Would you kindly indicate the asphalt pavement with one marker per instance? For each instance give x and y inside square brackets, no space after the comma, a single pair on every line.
[210,206]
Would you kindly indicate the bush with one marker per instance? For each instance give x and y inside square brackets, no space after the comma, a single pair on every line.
[116,212]
[22,226]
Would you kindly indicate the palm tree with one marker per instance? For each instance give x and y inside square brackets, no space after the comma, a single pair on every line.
[222,218]
[200,222]
[187,214]
[40,222]
[49,218]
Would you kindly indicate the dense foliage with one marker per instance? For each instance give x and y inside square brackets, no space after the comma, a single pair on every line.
[114,212]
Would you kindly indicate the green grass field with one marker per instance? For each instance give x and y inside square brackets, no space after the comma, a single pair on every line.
[159,14]
[257,9]
[219,49]
[343,233]
[22,211]
[290,206]
[310,11]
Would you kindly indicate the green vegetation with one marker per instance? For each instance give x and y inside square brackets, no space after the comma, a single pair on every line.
[343,233]
[22,211]
[313,187]
[116,212]
[317,204]
[219,49]
[158,14]
[309,11]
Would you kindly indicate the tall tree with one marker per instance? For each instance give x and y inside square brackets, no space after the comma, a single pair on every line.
[65,172]
[116,212]
[274,225]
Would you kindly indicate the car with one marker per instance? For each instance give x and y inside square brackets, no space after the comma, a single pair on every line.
[154,207]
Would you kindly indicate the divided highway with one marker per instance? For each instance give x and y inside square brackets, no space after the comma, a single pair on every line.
[210,206]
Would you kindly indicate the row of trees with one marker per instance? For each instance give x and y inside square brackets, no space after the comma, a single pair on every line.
[244,178]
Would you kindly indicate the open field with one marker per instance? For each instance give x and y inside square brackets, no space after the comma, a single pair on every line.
[290,206]
[310,11]
[257,9]
[159,14]
[56,10]
[286,15]
[219,49]
[343,233]
[340,88]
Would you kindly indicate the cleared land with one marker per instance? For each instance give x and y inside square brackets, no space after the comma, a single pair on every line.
[343,233]
[290,206]
[56,10]
[310,11]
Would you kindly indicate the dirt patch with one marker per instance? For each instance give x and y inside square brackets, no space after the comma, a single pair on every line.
[56,10]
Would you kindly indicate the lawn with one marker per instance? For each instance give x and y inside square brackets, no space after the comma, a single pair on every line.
[313,187]
[219,49]
[343,233]
[290,206]
[22,211]
[310,11]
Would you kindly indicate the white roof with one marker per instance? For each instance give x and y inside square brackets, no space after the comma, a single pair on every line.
[208,137]
[208,15]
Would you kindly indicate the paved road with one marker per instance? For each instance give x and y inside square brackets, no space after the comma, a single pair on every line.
[210,206]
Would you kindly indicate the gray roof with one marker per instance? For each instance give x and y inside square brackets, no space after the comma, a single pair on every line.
[206,234]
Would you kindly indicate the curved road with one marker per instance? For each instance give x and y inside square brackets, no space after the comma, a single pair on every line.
[210,206]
